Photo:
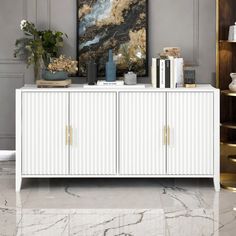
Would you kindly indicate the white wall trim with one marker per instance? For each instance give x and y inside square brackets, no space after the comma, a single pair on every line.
[12,75]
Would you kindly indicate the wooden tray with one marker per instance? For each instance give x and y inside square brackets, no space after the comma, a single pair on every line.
[53,83]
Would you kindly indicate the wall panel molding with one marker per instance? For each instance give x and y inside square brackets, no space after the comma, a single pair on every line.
[43,13]
[195,60]
[20,77]
[24,15]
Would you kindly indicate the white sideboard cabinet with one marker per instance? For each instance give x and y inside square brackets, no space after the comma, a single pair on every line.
[117,132]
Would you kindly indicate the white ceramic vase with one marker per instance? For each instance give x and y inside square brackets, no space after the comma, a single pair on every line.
[130,78]
[232,86]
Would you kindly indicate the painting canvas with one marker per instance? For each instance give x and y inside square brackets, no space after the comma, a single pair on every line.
[120,25]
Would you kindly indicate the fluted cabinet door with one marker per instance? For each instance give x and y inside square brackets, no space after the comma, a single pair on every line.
[93,121]
[190,120]
[141,138]
[44,121]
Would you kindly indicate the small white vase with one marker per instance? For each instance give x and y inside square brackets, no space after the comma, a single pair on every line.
[130,78]
[232,86]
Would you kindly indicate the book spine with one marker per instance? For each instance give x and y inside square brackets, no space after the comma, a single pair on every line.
[158,73]
[154,73]
[167,73]
[162,73]
[172,83]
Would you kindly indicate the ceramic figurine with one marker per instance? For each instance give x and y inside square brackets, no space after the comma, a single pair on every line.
[110,68]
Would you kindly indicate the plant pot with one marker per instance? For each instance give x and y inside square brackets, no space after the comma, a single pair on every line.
[130,78]
[55,75]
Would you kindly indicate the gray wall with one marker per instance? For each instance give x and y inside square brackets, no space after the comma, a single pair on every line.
[189,24]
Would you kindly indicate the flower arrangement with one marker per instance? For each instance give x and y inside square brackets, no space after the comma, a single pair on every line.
[37,47]
[63,64]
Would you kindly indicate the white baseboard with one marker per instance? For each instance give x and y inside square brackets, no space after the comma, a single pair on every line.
[7,155]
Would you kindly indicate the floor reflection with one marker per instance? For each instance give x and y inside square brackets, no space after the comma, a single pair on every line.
[110,222]
[112,207]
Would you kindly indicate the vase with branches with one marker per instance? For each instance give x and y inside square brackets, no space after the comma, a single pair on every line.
[37,47]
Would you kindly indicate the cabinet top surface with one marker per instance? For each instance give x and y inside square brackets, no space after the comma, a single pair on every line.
[147,87]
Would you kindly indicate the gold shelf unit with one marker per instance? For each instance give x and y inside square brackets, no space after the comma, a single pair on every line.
[232,158]
[228,181]
[226,41]
[226,64]
[228,93]
[229,143]
[229,125]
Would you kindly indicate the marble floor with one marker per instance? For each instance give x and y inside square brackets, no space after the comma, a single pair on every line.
[112,207]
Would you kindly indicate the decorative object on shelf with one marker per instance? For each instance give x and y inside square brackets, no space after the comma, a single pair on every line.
[92,73]
[37,47]
[60,68]
[130,78]
[172,52]
[232,85]
[232,33]
[53,83]
[54,75]
[110,83]
[110,68]
[168,70]
[189,77]
[112,24]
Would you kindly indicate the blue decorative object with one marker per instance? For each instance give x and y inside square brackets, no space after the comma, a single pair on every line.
[56,75]
[110,68]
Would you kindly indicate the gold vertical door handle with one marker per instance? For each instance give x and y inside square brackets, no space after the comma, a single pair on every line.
[164,135]
[66,135]
[71,135]
[168,135]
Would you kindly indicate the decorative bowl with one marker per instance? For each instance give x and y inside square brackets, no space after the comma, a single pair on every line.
[54,75]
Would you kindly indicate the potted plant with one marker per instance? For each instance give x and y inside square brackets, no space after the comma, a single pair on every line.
[37,46]
[60,68]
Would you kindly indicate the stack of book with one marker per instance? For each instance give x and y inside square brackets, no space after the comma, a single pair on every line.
[167,73]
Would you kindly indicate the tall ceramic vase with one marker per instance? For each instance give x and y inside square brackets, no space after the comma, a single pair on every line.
[110,68]
[232,86]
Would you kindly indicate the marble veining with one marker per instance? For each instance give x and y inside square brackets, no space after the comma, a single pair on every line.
[112,207]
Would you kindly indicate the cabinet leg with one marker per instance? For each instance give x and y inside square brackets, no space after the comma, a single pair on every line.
[217,183]
[18,183]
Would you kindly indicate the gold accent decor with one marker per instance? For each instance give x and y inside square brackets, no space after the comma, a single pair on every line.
[168,135]
[229,143]
[164,135]
[53,83]
[71,134]
[228,181]
[228,93]
[227,41]
[229,125]
[232,158]
[190,85]
[66,135]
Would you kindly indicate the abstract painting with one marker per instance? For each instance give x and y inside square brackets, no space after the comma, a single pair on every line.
[120,25]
